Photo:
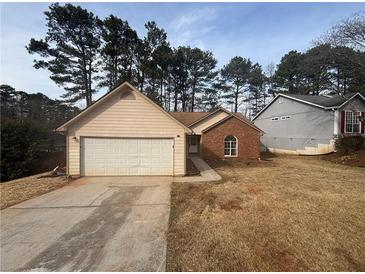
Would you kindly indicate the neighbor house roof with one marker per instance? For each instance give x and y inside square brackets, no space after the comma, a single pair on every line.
[321,101]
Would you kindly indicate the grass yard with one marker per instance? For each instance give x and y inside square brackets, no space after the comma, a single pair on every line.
[19,190]
[288,214]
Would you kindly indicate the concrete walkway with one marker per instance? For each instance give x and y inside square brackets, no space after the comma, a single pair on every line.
[207,174]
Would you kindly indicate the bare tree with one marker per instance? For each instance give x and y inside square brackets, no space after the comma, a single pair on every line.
[349,32]
[270,72]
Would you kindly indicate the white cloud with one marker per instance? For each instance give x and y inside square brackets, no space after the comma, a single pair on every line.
[189,28]
[194,17]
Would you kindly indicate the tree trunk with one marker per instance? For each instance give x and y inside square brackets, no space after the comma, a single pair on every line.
[338,81]
[142,82]
[183,101]
[193,98]
[236,99]
[161,91]
[175,99]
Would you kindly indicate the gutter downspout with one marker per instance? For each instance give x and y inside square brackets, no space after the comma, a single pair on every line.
[336,122]
[336,117]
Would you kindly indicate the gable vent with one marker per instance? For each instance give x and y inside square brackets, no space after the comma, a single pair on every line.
[128,95]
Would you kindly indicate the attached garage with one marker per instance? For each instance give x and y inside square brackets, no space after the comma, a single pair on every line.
[126,156]
[124,133]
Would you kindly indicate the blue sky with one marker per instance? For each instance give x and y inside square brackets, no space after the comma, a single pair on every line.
[263,32]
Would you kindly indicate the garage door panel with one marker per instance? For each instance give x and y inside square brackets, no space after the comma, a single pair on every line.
[122,156]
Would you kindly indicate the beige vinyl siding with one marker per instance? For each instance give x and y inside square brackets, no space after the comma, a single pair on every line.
[126,118]
[209,121]
[73,155]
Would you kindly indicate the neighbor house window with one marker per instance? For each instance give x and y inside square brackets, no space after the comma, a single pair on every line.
[285,117]
[352,122]
[230,146]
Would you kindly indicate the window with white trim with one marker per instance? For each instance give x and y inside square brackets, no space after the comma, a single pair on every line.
[230,146]
[352,122]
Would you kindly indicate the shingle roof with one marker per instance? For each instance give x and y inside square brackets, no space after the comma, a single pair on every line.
[324,101]
[187,118]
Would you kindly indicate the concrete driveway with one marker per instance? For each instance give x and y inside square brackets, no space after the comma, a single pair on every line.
[92,224]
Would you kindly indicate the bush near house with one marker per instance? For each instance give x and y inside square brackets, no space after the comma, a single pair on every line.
[27,148]
[349,144]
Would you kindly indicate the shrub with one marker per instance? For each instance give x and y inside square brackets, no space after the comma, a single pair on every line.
[350,143]
[20,143]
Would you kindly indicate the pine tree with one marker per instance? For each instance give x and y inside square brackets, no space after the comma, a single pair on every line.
[69,50]
[118,52]
[235,76]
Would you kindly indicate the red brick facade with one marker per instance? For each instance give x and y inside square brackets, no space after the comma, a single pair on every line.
[248,140]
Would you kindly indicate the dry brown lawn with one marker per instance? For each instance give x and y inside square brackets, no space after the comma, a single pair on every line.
[19,190]
[288,214]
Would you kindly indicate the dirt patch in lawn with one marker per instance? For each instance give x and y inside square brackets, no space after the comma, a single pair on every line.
[356,158]
[284,214]
[19,190]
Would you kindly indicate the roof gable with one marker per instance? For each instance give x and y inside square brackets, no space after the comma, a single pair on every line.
[123,89]
[358,94]
[191,119]
[237,116]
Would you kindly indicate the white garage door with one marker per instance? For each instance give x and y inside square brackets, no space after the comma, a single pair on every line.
[124,157]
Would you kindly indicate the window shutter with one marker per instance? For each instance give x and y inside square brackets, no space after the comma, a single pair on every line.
[363,122]
[342,121]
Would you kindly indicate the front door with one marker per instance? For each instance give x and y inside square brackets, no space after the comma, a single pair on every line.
[193,144]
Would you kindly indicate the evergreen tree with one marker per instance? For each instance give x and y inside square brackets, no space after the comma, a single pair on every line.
[27,124]
[149,48]
[256,89]
[235,76]
[179,77]
[289,76]
[201,65]
[118,52]
[314,68]
[69,50]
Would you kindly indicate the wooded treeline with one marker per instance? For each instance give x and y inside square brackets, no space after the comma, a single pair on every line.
[85,53]
[28,142]
[22,106]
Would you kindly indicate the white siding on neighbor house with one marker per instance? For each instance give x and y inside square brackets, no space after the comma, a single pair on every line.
[123,117]
[209,121]
[307,128]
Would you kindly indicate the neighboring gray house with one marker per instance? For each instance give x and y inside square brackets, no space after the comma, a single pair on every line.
[308,124]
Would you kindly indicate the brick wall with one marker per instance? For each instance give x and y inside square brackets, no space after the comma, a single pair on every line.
[247,137]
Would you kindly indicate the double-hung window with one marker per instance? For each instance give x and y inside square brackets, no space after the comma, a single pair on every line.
[352,122]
